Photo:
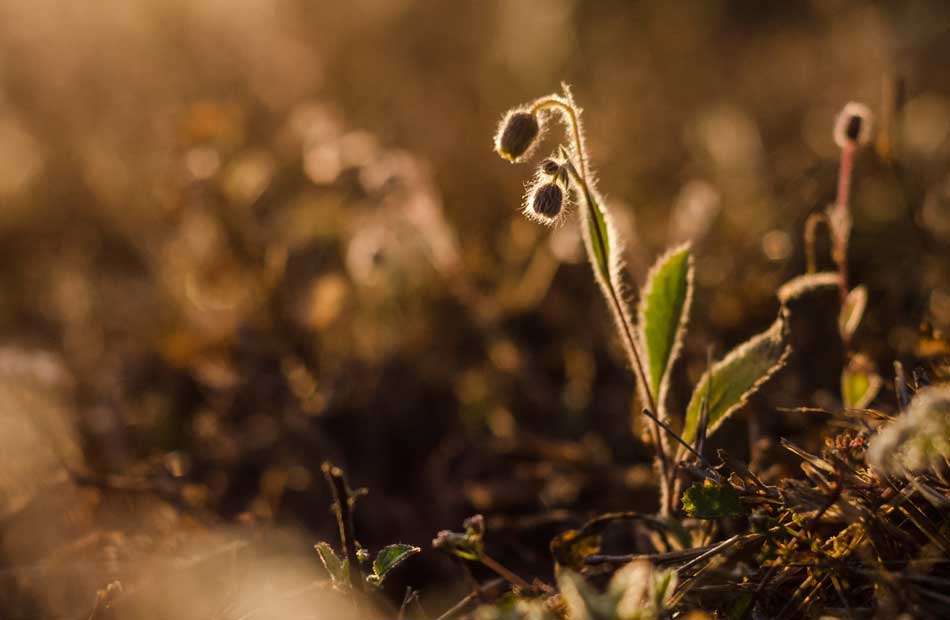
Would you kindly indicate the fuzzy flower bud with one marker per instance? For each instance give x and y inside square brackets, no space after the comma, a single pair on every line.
[517,135]
[853,125]
[547,201]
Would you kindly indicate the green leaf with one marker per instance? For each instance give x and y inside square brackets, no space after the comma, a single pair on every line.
[712,500]
[599,237]
[389,558]
[805,284]
[334,565]
[738,376]
[860,383]
[663,314]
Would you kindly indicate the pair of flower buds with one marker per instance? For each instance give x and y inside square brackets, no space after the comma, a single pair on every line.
[517,137]
[520,132]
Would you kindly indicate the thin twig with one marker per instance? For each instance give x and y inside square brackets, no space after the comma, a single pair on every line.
[693,556]
[682,441]
[491,589]
[493,564]
[703,427]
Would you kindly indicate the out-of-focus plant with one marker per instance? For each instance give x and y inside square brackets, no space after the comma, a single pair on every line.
[860,382]
[918,439]
[637,591]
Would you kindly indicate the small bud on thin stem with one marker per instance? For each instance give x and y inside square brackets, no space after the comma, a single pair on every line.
[853,125]
[852,130]
[517,135]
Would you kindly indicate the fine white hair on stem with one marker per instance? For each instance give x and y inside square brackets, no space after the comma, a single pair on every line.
[605,251]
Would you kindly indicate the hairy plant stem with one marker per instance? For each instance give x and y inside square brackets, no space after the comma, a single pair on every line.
[610,288]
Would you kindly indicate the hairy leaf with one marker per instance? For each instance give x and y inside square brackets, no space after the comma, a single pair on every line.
[663,314]
[738,376]
[860,383]
[389,558]
[852,311]
[711,500]
[917,439]
[599,237]
[334,565]
[804,284]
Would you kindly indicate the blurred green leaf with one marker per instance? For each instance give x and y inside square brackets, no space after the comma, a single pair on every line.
[663,314]
[738,376]
[637,591]
[859,383]
[332,562]
[582,600]
[711,500]
[389,558]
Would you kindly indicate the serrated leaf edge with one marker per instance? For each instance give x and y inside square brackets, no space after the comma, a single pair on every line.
[779,327]
[409,551]
[336,572]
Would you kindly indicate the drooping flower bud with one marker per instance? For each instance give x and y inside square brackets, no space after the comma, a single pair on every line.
[853,125]
[517,135]
[547,201]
